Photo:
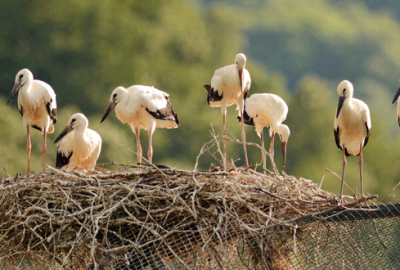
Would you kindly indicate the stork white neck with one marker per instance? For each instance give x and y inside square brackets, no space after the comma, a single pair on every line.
[283,132]
[120,96]
[25,79]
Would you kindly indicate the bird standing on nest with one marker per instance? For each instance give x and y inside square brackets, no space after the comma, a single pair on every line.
[268,110]
[79,145]
[230,85]
[142,107]
[352,127]
[38,107]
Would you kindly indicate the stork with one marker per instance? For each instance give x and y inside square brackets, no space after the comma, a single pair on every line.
[38,107]
[229,85]
[352,127]
[79,145]
[268,110]
[142,107]
[396,97]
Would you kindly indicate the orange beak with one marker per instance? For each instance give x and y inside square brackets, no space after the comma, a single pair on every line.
[284,153]
[241,79]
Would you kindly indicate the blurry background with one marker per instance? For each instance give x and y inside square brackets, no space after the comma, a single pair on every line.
[299,50]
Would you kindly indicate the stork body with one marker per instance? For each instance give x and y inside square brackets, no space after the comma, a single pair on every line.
[230,85]
[79,145]
[352,127]
[268,110]
[143,107]
[38,107]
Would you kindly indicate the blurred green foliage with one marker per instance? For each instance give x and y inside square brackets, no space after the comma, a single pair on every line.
[299,50]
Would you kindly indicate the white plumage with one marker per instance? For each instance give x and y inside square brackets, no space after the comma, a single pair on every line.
[268,110]
[229,85]
[38,107]
[352,127]
[79,145]
[142,107]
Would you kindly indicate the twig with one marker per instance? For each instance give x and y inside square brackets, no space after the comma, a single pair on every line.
[389,194]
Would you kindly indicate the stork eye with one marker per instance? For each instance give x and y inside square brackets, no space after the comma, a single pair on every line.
[20,76]
[73,120]
[344,90]
[114,96]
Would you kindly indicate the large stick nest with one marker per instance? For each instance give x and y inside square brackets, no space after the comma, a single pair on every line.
[138,217]
[64,212]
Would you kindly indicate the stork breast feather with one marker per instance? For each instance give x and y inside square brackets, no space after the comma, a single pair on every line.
[66,144]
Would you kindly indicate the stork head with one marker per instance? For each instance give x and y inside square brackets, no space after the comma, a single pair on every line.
[284,133]
[23,77]
[76,122]
[115,98]
[345,90]
[240,61]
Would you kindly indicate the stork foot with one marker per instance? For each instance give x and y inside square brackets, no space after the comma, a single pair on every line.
[340,201]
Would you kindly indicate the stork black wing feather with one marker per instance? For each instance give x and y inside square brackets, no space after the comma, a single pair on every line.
[337,139]
[167,113]
[368,134]
[61,159]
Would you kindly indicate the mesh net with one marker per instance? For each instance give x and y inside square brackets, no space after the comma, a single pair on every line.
[171,219]
[367,238]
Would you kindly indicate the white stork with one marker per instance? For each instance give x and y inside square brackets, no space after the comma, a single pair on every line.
[38,107]
[143,107]
[79,145]
[352,127]
[230,85]
[268,110]
[396,97]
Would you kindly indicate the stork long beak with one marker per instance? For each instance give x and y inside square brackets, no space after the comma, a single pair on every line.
[241,79]
[110,107]
[396,96]
[284,153]
[339,107]
[14,91]
[66,130]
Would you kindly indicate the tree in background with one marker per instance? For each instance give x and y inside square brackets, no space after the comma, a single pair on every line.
[85,49]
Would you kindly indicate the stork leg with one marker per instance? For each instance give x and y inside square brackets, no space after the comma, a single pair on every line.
[244,140]
[224,158]
[44,149]
[271,146]
[139,150]
[344,167]
[264,157]
[28,148]
[360,161]
[150,151]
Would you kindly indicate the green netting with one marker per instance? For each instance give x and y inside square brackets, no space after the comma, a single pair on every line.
[366,238]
